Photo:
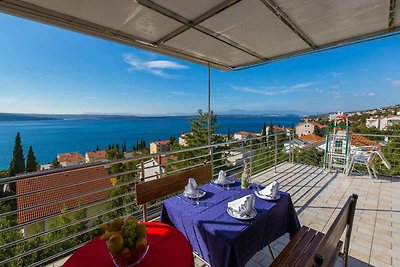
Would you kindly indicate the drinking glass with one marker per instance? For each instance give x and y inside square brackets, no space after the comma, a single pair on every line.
[195,200]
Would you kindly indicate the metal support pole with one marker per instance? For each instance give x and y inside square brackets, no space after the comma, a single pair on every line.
[211,151]
[276,151]
[144,205]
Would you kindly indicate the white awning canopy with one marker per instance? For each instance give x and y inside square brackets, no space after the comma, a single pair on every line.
[228,34]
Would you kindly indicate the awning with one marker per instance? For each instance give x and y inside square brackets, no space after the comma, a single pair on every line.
[228,34]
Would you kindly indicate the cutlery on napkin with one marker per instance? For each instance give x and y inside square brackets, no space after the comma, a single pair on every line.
[243,206]
[271,190]
[191,188]
[222,180]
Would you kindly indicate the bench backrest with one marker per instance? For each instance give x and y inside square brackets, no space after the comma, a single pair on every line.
[164,186]
[332,238]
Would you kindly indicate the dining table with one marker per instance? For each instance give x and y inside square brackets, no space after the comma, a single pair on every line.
[167,247]
[220,239]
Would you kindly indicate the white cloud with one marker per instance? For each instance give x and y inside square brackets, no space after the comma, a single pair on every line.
[335,94]
[337,74]
[365,94]
[179,93]
[273,90]
[319,91]
[395,83]
[155,67]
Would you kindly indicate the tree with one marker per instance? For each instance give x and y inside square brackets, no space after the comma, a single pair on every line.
[17,164]
[264,132]
[97,148]
[55,164]
[270,132]
[199,129]
[199,137]
[228,135]
[31,163]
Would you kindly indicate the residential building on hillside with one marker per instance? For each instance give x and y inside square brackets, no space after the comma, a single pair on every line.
[96,156]
[70,159]
[309,127]
[278,129]
[237,156]
[183,139]
[159,146]
[382,123]
[306,142]
[48,194]
[243,135]
[155,167]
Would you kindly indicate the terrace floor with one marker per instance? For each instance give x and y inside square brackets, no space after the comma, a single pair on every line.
[318,197]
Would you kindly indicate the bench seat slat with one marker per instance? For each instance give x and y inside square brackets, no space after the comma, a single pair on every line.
[289,247]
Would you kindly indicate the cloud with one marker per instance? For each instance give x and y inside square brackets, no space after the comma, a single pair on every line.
[395,83]
[319,91]
[335,94]
[336,74]
[365,94]
[179,93]
[155,67]
[273,90]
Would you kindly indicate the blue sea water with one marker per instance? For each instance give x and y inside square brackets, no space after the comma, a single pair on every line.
[51,137]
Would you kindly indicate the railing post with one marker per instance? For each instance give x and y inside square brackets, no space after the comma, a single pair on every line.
[251,157]
[292,147]
[144,205]
[276,151]
[159,167]
[212,161]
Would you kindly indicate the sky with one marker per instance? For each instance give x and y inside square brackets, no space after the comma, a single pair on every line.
[44,69]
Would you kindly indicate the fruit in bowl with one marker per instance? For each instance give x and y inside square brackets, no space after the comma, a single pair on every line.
[126,240]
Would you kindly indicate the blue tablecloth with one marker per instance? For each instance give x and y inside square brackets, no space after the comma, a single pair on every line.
[222,240]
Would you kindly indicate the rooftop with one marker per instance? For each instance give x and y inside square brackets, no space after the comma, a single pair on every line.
[62,189]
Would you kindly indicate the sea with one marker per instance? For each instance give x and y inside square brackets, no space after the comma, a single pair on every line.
[50,137]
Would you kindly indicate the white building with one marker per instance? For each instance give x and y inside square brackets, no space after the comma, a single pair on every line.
[236,157]
[382,123]
[308,127]
[243,135]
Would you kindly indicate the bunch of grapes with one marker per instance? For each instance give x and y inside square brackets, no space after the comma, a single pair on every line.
[129,235]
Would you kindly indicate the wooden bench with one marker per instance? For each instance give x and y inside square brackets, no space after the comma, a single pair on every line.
[164,186]
[312,248]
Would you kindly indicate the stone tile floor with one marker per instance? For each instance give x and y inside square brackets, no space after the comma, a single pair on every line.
[318,197]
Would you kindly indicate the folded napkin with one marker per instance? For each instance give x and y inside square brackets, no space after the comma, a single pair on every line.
[243,206]
[271,190]
[191,188]
[222,178]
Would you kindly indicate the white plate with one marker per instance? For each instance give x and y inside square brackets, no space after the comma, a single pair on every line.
[228,182]
[200,193]
[267,197]
[236,215]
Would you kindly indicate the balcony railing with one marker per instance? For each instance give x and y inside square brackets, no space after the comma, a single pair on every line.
[43,223]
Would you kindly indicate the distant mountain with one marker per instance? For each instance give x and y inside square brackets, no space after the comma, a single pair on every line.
[126,116]
[261,112]
[23,117]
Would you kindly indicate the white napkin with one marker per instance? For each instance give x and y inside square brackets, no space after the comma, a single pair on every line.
[271,190]
[222,178]
[243,206]
[191,188]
